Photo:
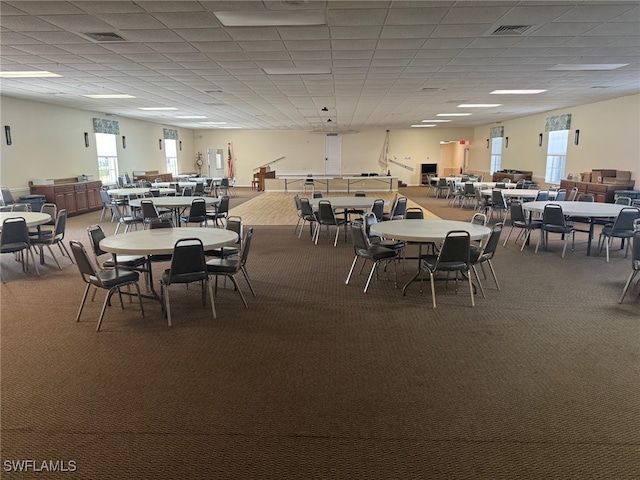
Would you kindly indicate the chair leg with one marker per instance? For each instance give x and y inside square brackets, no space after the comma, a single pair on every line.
[213,305]
[84,299]
[104,306]
[473,300]
[246,277]
[353,264]
[373,269]
[493,272]
[433,288]
[54,257]
[235,282]
[139,298]
[626,286]
[167,305]
[475,271]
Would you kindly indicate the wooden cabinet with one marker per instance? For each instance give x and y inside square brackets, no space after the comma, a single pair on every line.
[513,175]
[602,192]
[76,198]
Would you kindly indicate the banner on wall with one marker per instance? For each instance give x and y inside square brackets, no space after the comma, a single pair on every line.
[231,171]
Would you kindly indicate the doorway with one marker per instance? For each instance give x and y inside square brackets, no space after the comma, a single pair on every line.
[333,154]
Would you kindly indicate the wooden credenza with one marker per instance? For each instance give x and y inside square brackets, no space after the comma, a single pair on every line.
[513,175]
[602,192]
[76,198]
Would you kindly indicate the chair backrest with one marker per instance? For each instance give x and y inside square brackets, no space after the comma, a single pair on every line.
[106,199]
[198,208]
[500,185]
[149,210]
[223,206]
[224,183]
[199,188]
[561,195]
[317,194]
[359,236]
[360,194]
[533,186]
[586,197]
[160,223]
[491,244]
[572,195]
[121,181]
[188,261]
[553,215]
[127,178]
[115,211]
[154,192]
[246,244]
[542,196]
[325,212]
[378,208]
[234,223]
[14,230]
[369,219]
[85,266]
[96,234]
[414,213]
[497,198]
[623,201]
[455,248]
[187,191]
[296,199]
[7,198]
[520,184]
[625,221]
[479,219]
[442,182]
[305,207]
[400,208]
[61,226]
[52,210]
[517,213]
[309,180]
[469,189]
[21,207]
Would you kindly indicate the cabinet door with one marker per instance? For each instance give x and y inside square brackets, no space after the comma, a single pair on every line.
[60,200]
[82,202]
[70,202]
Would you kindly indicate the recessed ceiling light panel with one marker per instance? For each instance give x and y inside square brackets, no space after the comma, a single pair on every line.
[587,66]
[516,92]
[157,109]
[274,18]
[453,115]
[109,95]
[478,105]
[298,71]
[28,74]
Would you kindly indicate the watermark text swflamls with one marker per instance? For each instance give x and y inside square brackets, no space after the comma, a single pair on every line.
[30,465]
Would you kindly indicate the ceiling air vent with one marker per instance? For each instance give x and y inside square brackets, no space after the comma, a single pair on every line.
[104,37]
[511,29]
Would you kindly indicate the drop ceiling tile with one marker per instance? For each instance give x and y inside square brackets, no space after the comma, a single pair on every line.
[147,36]
[314,32]
[357,17]
[306,45]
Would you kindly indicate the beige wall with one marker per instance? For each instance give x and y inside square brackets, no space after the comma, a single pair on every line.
[609,138]
[48,142]
[304,151]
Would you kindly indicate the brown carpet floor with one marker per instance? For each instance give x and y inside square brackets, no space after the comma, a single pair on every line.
[317,380]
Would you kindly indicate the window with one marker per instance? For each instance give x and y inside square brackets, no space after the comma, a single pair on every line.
[556,155]
[171,155]
[496,154]
[107,158]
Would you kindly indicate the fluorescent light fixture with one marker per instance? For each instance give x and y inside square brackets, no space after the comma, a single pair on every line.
[298,71]
[109,95]
[479,105]
[587,66]
[453,115]
[422,126]
[273,18]
[435,121]
[28,74]
[157,109]
[516,92]
[230,127]
[190,116]
[213,123]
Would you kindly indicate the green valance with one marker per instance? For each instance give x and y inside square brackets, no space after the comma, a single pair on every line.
[101,125]
[496,132]
[170,134]
[560,122]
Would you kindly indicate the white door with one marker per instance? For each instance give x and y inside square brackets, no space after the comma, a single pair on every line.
[333,154]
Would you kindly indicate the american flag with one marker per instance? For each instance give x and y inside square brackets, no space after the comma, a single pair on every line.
[231,173]
[384,155]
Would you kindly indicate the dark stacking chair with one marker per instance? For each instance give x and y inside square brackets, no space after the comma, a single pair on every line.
[554,221]
[231,266]
[197,213]
[621,228]
[635,262]
[326,216]
[367,251]
[111,280]
[14,238]
[306,211]
[480,256]
[378,208]
[519,220]
[235,224]
[188,265]
[454,256]
[55,238]
[220,212]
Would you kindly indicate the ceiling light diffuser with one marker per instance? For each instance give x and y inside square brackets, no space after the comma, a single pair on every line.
[157,109]
[453,115]
[435,121]
[272,18]
[422,126]
[190,116]
[479,105]
[213,123]
[298,71]
[587,66]
[28,74]
[516,92]
[109,95]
